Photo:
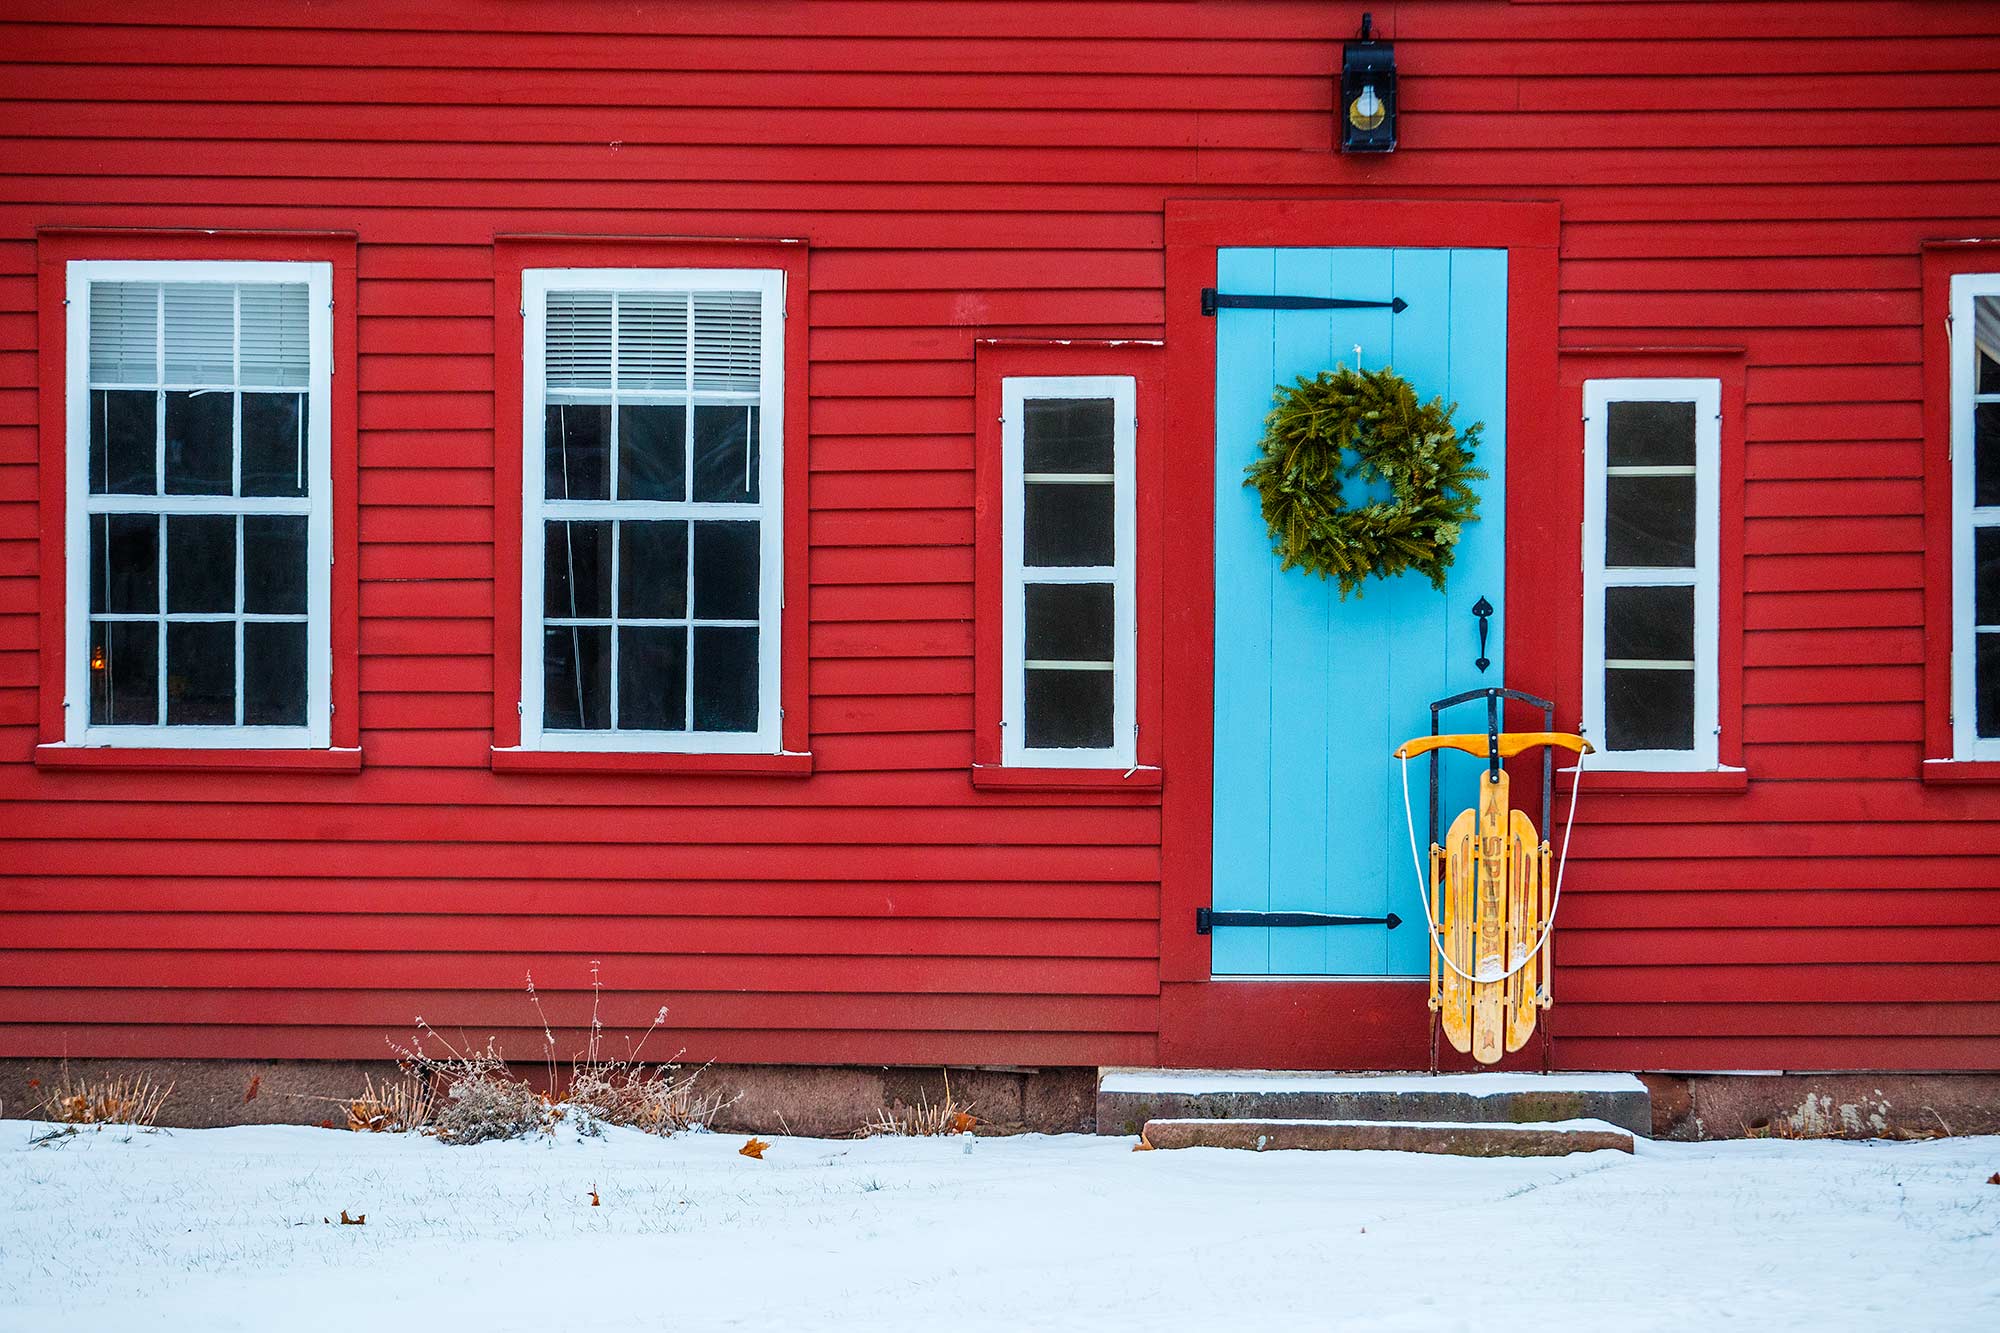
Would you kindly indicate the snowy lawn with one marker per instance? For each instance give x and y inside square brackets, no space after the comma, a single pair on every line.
[217,1230]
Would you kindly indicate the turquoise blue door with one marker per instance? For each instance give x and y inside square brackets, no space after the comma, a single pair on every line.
[1312,692]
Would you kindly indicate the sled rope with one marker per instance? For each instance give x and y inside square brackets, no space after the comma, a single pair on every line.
[1424,887]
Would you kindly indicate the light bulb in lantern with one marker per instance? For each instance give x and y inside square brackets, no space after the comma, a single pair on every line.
[97,657]
[1365,112]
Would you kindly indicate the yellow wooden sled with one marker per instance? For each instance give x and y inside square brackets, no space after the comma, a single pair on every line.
[1490,900]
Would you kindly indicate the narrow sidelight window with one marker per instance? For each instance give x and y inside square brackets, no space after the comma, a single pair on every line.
[652,541]
[1975,466]
[1067,448]
[199,504]
[1651,452]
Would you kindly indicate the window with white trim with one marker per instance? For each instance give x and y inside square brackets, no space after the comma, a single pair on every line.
[199,530]
[1975,471]
[1069,524]
[1651,453]
[652,541]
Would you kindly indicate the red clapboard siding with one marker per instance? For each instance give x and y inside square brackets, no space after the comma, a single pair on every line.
[1758,177]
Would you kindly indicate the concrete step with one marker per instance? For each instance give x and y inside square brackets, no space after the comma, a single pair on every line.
[1557,1139]
[1128,1098]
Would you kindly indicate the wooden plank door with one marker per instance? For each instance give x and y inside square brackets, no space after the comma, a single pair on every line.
[1313,692]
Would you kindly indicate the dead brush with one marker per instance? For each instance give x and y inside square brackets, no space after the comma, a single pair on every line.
[133,1099]
[470,1096]
[394,1108]
[927,1119]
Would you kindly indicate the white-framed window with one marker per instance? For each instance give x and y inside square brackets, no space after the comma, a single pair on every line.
[1650,517]
[199,516]
[652,509]
[1069,526]
[1975,515]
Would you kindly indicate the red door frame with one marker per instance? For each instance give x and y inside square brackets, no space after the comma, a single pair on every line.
[1318,1024]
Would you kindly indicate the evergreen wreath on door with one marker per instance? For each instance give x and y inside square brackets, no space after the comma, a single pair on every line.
[1365,425]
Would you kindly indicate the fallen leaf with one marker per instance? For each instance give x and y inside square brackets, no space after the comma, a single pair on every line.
[593,1198]
[326,1124]
[34,1083]
[1142,1145]
[753,1147]
[251,1095]
[963,1122]
[1993,1179]
[347,1221]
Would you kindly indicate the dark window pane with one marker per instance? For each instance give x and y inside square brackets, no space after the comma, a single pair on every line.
[1986,576]
[1986,318]
[652,452]
[1067,435]
[1986,684]
[1649,522]
[1069,622]
[576,565]
[725,571]
[652,570]
[122,433]
[274,564]
[725,454]
[1068,710]
[1648,710]
[576,677]
[125,673]
[125,563]
[1652,623]
[1065,525]
[576,451]
[274,675]
[652,678]
[725,678]
[201,563]
[1649,435]
[274,444]
[200,442]
[201,674]
[1986,454]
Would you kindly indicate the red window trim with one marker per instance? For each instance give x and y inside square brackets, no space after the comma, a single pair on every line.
[996,359]
[1943,260]
[1561,603]
[511,255]
[55,247]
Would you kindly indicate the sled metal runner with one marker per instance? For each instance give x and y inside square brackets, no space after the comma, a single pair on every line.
[1491,900]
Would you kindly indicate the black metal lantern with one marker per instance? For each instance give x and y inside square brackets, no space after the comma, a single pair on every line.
[1368,93]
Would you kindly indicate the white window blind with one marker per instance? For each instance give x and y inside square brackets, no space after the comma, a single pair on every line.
[579,340]
[196,324]
[125,333]
[652,340]
[728,331]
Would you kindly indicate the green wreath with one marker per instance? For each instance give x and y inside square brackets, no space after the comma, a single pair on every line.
[1368,425]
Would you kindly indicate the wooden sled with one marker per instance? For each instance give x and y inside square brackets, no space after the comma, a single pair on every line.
[1491,899]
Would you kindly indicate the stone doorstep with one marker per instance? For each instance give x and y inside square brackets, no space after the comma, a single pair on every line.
[1458,1140]
[1129,1098]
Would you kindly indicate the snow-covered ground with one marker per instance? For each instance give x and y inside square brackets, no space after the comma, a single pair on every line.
[217,1230]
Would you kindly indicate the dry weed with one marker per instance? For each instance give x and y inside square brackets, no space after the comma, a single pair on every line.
[927,1119]
[133,1099]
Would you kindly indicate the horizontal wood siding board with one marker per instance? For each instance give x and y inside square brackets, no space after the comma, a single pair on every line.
[1758,176]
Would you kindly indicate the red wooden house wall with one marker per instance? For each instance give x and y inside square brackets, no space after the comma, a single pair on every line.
[1758,177]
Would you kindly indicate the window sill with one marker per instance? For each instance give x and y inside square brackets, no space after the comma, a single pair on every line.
[1961,772]
[1722,781]
[652,762]
[993,777]
[169,760]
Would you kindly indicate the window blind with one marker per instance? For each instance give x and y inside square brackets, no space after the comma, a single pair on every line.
[125,332]
[728,340]
[652,340]
[576,342]
[201,333]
